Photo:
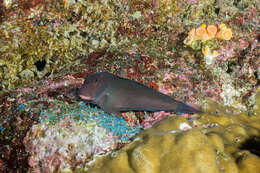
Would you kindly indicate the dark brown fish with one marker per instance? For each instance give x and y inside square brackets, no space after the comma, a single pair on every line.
[114,95]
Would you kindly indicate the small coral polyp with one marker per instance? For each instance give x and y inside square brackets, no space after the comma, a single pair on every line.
[212,31]
[224,32]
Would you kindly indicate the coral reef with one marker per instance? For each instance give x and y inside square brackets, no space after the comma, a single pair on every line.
[136,38]
[48,47]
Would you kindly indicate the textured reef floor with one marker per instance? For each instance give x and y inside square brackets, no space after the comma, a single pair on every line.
[205,53]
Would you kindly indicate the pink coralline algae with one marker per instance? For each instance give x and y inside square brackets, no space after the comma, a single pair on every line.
[153,118]
[192,1]
[53,85]
[227,51]
[65,145]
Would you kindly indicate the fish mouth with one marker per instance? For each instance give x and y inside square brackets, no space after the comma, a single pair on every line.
[85,97]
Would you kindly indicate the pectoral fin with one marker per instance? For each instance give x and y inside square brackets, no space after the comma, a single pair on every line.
[111,110]
[104,103]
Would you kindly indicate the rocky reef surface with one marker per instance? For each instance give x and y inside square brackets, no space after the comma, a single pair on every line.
[202,52]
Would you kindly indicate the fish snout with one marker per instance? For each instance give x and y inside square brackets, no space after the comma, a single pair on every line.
[85,97]
[83,94]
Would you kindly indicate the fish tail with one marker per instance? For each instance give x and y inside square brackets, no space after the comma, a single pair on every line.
[184,108]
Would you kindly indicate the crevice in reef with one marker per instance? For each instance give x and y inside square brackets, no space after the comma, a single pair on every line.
[252,145]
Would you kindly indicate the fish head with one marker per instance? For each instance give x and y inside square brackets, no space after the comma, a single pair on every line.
[93,85]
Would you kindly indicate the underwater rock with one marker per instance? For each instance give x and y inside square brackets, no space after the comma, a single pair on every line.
[65,144]
[68,136]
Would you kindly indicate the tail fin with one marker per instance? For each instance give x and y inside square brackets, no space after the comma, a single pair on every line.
[185,108]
